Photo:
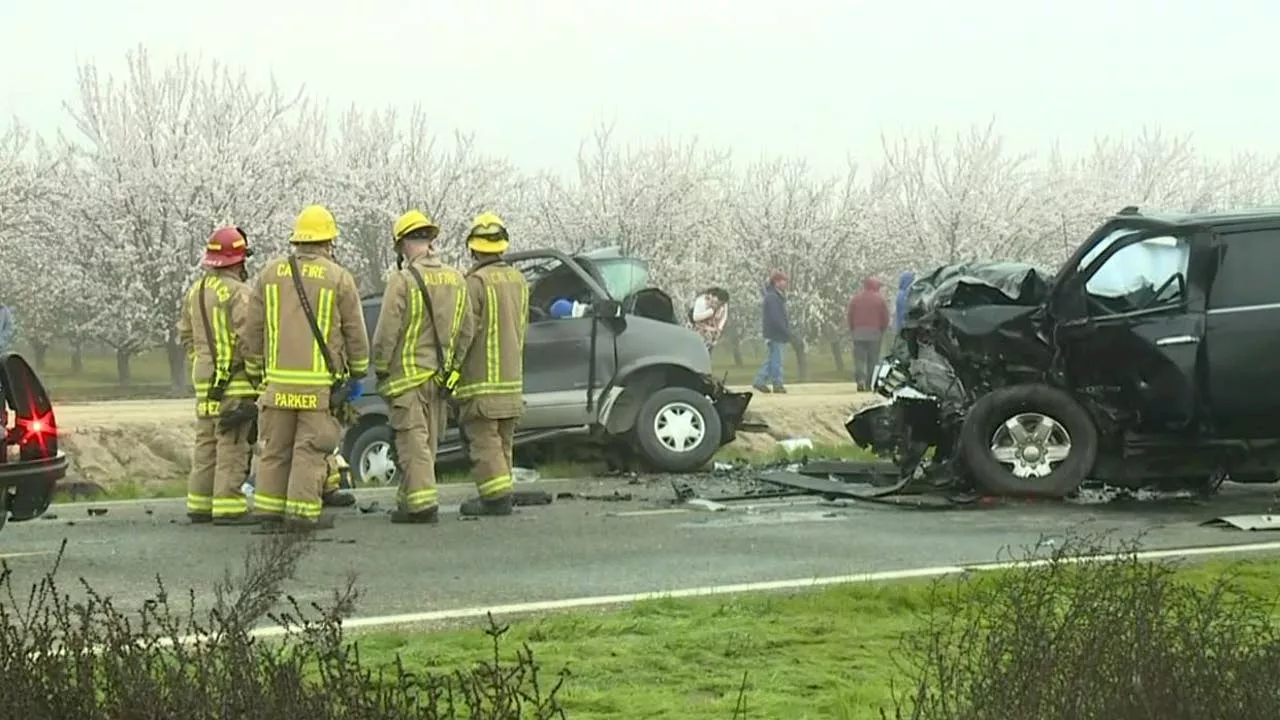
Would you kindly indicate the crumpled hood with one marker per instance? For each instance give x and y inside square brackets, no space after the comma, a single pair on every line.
[979,283]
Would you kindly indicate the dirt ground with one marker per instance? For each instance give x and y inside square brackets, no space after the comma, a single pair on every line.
[149,441]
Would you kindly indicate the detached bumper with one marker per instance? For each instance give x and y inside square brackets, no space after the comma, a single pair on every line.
[31,484]
[732,408]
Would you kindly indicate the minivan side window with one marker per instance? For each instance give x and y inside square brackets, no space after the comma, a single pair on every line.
[1246,273]
[1146,274]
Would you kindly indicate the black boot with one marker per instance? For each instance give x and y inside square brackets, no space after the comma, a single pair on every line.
[477,507]
[295,524]
[430,516]
[237,520]
[761,388]
[338,498]
[200,518]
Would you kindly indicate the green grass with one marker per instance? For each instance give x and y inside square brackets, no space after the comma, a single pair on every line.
[822,654]
[150,372]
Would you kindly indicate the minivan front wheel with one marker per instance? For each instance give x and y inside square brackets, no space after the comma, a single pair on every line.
[677,430]
[1029,440]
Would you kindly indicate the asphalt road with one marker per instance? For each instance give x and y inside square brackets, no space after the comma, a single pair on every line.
[578,547]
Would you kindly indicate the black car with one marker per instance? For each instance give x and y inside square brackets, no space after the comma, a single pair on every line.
[31,464]
[622,372]
[1145,360]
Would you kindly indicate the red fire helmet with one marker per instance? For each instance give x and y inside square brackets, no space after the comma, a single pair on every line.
[227,246]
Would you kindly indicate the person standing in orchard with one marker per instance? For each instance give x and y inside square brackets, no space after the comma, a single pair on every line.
[491,388]
[306,340]
[211,329]
[424,325]
[777,333]
[868,318]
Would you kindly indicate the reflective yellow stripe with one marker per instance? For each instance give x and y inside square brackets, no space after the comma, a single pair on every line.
[495,486]
[399,386]
[459,310]
[298,378]
[420,500]
[412,330]
[492,359]
[304,509]
[199,503]
[223,507]
[360,366]
[273,325]
[268,503]
[475,389]
[324,320]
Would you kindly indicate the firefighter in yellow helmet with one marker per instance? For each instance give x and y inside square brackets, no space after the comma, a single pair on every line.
[490,390]
[423,327]
[307,342]
[210,329]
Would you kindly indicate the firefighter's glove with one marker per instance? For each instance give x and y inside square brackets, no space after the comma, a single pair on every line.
[356,391]
[241,415]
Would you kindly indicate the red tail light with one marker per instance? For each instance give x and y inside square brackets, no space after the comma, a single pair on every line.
[34,432]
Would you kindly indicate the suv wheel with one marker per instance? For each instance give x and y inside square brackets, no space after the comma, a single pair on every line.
[1029,440]
[370,457]
[677,430]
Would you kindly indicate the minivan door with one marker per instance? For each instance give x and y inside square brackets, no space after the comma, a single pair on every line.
[1129,326]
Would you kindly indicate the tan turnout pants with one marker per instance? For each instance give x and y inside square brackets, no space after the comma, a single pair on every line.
[293,466]
[418,419]
[490,426]
[219,465]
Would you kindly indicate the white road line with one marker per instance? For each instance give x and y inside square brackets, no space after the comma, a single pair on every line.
[9,556]
[752,587]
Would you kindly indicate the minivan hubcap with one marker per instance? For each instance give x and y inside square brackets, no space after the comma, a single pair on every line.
[1031,444]
[376,464]
[679,427]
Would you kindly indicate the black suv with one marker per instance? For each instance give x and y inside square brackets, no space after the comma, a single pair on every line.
[30,464]
[623,371]
[1145,360]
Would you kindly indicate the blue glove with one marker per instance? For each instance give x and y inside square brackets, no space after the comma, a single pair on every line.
[356,392]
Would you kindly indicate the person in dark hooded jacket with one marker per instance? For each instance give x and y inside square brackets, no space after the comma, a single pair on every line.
[868,319]
[900,306]
[777,332]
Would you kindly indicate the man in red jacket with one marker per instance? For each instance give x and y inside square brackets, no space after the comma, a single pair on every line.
[868,318]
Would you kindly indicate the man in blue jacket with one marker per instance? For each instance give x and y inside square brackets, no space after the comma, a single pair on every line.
[777,332]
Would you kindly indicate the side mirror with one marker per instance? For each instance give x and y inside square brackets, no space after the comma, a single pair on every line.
[607,309]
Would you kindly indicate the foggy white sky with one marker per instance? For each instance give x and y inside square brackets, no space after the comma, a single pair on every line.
[817,78]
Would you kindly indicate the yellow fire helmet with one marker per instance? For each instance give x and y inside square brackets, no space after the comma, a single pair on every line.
[414,220]
[488,234]
[314,224]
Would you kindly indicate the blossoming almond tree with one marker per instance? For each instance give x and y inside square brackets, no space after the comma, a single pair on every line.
[163,157]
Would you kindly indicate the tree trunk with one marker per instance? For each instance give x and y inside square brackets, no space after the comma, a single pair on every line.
[837,354]
[123,370]
[177,366]
[41,350]
[802,361]
[77,359]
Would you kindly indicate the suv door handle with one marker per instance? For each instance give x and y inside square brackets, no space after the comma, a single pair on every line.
[1177,340]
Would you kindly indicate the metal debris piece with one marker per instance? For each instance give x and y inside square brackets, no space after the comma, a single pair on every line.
[615,496]
[831,490]
[373,507]
[684,491]
[1245,522]
[96,511]
[704,504]
[791,445]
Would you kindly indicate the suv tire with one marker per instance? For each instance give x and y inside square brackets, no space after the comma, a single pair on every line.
[371,438]
[1005,420]
[677,430]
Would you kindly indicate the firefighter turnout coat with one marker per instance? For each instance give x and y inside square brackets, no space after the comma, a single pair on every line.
[493,367]
[404,342]
[280,347]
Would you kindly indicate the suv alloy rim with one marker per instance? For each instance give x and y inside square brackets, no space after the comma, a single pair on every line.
[376,464]
[1031,444]
[679,427]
